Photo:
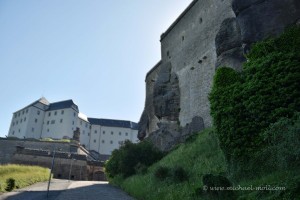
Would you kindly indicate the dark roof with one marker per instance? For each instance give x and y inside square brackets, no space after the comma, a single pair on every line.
[62,105]
[41,100]
[114,123]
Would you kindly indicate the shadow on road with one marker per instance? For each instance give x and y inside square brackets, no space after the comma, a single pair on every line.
[81,190]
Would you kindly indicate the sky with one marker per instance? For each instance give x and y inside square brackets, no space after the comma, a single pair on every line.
[95,52]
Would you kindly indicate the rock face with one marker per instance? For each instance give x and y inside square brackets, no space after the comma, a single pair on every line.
[207,35]
[229,45]
[167,94]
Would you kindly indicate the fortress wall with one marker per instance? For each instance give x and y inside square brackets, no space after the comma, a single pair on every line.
[189,45]
[8,147]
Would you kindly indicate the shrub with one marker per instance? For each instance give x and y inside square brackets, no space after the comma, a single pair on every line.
[179,174]
[243,105]
[162,173]
[130,157]
[10,184]
[141,168]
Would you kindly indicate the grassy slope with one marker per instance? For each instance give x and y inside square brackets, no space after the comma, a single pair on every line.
[23,175]
[200,156]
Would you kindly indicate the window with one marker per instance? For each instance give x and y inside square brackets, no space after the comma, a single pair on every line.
[120,133]
[21,120]
[89,134]
[17,122]
[80,122]
[26,110]
[94,141]
[103,132]
[15,115]
[103,141]
[48,130]
[32,129]
[73,123]
[112,133]
[83,132]
[24,119]
[23,112]
[61,120]
[18,114]
[182,38]
[52,121]
[38,112]
[74,114]
[111,142]
[19,130]
[62,112]
[13,123]
[55,113]
[35,120]
[86,125]
[95,131]
[126,134]
[49,114]
[48,122]
[13,132]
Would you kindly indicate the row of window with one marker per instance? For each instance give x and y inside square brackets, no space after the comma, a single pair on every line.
[21,112]
[55,113]
[53,121]
[111,142]
[120,133]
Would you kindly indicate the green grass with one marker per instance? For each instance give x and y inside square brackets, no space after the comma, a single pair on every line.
[197,157]
[23,175]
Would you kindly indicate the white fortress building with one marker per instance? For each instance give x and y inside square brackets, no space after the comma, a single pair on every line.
[59,120]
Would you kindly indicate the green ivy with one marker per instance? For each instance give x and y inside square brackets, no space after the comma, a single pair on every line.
[243,105]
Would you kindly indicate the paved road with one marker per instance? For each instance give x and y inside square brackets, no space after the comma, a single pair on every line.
[65,190]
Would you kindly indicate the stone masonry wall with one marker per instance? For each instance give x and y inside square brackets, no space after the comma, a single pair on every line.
[8,147]
[207,35]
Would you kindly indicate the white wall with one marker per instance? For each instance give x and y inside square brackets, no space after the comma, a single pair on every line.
[106,139]
[59,123]
[85,131]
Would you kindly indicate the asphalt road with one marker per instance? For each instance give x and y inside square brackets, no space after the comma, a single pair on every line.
[65,190]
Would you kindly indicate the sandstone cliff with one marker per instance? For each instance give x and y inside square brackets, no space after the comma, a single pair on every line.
[207,35]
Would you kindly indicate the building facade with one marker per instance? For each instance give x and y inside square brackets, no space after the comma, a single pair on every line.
[42,119]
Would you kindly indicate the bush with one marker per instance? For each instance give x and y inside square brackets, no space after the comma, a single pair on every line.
[179,174]
[162,173]
[10,184]
[243,105]
[128,160]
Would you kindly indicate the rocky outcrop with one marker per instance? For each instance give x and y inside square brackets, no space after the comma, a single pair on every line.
[259,19]
[207,35]
[255,20]
[170,133]
[166,94]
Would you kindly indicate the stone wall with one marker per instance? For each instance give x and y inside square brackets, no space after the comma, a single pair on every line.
[8,147]
[63,167]
[207,35]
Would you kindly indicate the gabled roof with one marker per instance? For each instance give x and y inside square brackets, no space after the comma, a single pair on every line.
[113,123]
[41,100]
[62,105]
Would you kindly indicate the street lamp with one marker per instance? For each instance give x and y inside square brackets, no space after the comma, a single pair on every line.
[50,170]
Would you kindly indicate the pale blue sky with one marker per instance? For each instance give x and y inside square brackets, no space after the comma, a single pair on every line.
[96,52]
